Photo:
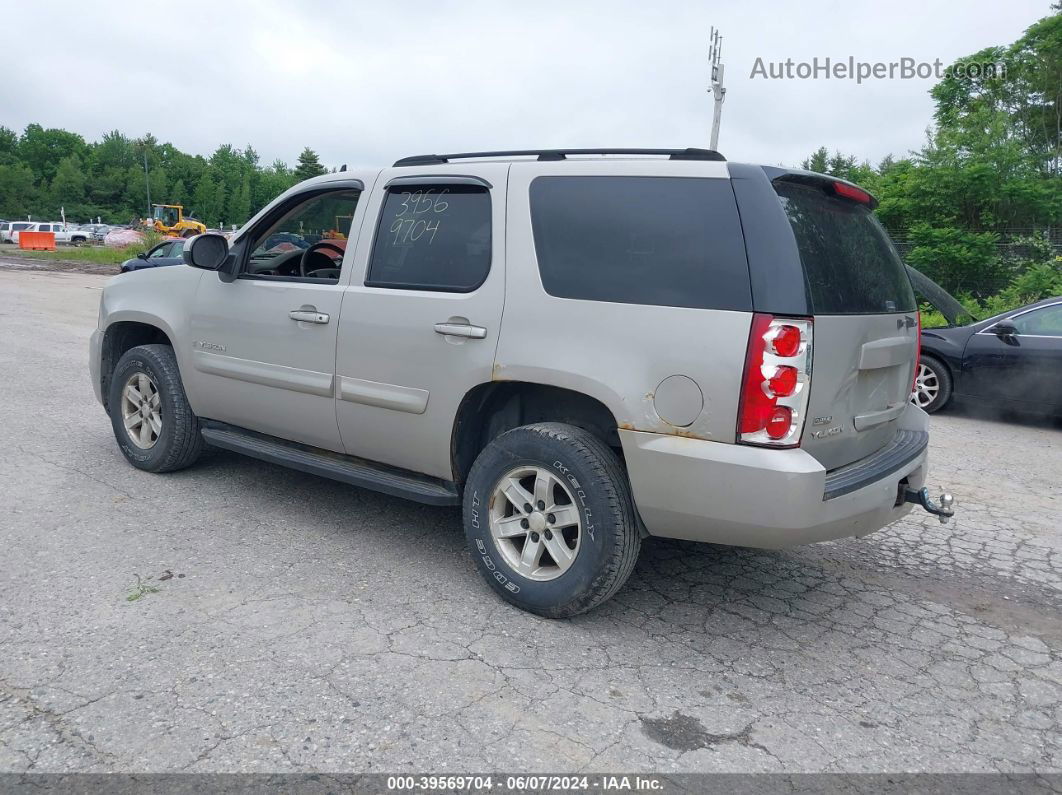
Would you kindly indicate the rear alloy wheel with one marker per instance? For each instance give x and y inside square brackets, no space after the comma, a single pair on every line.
[550,519]
[932,387]
[535,524]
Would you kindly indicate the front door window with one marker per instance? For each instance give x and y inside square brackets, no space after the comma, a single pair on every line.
[307,241]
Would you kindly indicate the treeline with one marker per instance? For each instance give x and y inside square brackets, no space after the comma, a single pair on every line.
[43,170]
[991,165]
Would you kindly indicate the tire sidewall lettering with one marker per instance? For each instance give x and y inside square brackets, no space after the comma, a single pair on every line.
[579,492]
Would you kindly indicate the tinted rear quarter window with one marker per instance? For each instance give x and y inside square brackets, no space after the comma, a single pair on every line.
[666,241]
[432,238]
[849,262]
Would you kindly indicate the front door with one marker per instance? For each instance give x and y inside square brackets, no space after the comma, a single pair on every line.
[422,314]
[1024,367]
[264,343]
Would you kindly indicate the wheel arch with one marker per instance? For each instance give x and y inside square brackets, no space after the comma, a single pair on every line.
[490,409]
[121,335]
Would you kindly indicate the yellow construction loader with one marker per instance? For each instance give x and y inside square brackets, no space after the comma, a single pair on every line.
[168,219]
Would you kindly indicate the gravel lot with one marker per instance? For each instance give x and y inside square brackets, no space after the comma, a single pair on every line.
[312,626]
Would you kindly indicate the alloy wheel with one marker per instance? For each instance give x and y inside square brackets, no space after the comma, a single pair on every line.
[535,523]
[927,386]
[142,410]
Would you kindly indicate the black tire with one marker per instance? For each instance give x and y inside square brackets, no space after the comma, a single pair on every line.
[943,375]
[610,540]
[179,442]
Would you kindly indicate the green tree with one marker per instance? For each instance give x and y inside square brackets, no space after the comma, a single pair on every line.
[240,203]
[203,200]
[18,194]
[177,193]
[819,161]
[8,146]
[219,205]
[308,165]
[68,187]
[42,150]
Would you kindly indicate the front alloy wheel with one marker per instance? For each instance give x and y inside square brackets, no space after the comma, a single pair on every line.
[142,410]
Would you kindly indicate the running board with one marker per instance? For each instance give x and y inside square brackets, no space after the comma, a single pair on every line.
[344,468]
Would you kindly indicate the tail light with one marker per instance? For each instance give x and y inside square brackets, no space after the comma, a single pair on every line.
[774,389]
[918,353]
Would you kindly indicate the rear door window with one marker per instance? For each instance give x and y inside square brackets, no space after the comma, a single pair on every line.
[665,241]
[432,237]
[849,262]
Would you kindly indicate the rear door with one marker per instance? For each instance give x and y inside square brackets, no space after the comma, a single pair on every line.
[422,313]
[865,322]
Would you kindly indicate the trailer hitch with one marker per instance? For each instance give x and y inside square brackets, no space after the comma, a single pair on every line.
[943,511]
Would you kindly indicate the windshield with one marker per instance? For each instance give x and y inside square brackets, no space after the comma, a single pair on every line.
[849,262]
[168,215]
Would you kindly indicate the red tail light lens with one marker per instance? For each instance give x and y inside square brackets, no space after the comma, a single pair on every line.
[774,392]
[780,422]
[784,340]
[784,381]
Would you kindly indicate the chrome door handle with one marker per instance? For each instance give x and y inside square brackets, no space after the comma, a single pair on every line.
[461,330]
[308,316]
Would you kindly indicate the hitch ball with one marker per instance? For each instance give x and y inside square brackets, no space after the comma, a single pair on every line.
[943,512]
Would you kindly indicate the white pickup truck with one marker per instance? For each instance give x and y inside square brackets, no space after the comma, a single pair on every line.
[64,233]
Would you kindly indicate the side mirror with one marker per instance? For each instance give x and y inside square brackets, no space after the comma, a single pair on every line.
[1005,328]
[142,255]
[207,251]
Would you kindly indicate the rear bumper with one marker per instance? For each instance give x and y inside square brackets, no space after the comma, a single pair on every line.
[756,497]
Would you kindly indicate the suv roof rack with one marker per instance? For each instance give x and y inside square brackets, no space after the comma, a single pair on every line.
[560,154]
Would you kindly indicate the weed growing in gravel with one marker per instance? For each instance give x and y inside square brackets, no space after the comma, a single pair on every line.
[141,588]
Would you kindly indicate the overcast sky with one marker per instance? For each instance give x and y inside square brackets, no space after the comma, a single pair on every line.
[366,82]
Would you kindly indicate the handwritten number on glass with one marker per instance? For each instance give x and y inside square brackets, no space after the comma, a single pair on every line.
[418,216]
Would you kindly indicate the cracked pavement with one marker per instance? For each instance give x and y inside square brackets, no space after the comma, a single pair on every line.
[318,627]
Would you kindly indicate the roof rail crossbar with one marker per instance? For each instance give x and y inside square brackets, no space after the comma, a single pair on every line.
[559,154]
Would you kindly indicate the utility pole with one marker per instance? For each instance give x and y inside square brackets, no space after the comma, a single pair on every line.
[147,185]
[715,53]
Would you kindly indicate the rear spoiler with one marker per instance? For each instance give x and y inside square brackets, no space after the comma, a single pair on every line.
[835,185]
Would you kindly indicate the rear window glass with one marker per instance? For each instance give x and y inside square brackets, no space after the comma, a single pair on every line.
[433,238]
[849,262]
[667,241]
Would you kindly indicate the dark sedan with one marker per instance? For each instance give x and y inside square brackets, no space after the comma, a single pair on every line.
[1012,360]
[168,252]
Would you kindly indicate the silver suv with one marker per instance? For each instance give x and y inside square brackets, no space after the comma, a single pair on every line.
[581,347]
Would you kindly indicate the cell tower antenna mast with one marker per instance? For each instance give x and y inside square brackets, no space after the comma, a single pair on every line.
[715,55]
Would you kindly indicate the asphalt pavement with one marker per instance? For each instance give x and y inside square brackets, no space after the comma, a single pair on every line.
[289,623]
